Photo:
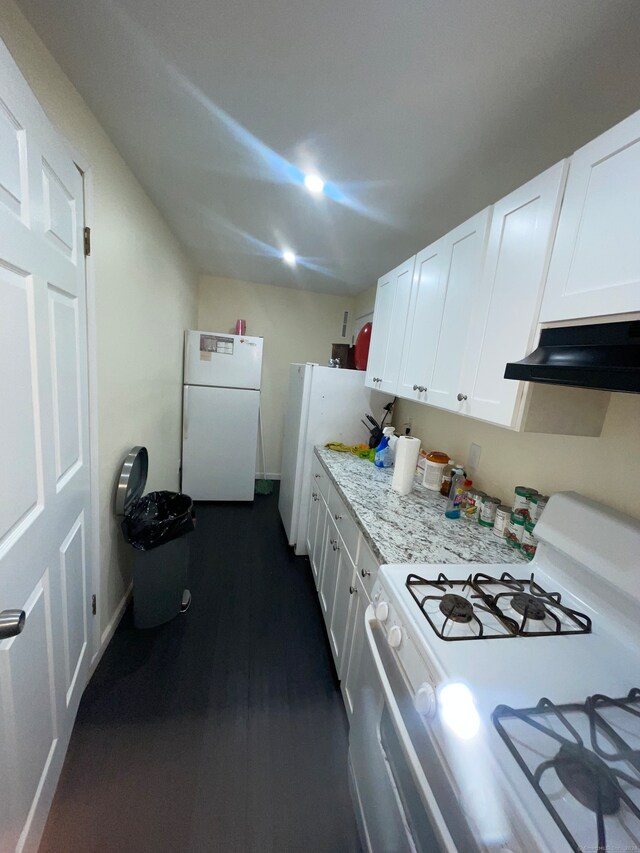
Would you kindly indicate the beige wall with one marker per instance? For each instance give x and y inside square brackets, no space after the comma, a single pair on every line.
[145,295]
[364,301]
[606,468]
[297,326]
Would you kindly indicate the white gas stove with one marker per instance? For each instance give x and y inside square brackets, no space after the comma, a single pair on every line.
[501,662]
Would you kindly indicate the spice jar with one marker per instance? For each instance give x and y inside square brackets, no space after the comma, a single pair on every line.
[521,501]
[515,531]
[433,469]
[488,510]
[503,516]
[529,541]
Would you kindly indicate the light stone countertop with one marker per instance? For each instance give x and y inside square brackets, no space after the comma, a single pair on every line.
[410,528]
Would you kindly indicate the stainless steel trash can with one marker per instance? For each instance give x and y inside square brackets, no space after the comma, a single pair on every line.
[157,527]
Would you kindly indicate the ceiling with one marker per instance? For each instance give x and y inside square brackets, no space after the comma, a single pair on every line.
[417,113]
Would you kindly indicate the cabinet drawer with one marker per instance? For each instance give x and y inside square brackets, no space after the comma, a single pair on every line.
[319,478]
[344,522]
[367,566]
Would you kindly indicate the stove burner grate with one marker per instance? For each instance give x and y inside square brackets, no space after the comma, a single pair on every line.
[580,768]
[529,606]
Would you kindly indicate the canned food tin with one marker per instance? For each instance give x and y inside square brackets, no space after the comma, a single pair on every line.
[529,541]
[473,500]
[488,510]
[536,504]
[503,514]
[521,501]
[515,531]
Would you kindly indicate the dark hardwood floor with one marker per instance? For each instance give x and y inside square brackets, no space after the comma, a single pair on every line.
[222,731]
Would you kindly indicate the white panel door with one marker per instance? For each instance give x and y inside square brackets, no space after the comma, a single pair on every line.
[345,580]
[44,457]
[219,443]
[506,307]
[464,251]
[423,324]
[389,323]
[595,266]
[328,575]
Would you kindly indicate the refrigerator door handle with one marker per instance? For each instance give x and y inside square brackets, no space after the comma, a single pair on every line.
[185,414]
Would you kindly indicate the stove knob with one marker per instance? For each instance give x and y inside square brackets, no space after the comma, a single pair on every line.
[382,611]
[395,637]
[425,700]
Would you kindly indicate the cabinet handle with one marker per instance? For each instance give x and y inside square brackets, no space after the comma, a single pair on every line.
[365,573]
[422,387]
[335,546]
[352,589]
[332,541]
[461,397]
[316,476]
[337,517]
[415,387]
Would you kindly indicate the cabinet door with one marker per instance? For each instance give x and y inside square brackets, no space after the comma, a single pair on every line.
[350,670]
[328,575]
[423,324]
[345,580]
[595,266]
[389,322]
[463,250]
[316,554]
[315,502]
[506,305]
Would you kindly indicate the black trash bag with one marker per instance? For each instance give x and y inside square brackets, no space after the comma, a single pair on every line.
[158,518]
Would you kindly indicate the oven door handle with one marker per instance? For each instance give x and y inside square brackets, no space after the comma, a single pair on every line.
[403,735]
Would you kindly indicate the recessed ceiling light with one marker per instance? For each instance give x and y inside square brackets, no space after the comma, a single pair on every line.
[289,258]
[314,183]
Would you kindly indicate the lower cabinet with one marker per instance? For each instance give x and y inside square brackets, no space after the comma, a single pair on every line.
[344,585]
[354,644]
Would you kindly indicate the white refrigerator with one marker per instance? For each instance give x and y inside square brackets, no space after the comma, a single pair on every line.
[325,404]
[220,410]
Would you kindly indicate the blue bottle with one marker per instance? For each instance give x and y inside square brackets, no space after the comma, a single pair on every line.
[383,457]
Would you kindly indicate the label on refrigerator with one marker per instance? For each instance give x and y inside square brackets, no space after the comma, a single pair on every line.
[214,343]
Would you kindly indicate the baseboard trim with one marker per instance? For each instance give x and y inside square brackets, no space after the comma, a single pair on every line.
[110,629]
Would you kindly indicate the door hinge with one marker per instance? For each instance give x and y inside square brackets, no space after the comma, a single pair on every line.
[94,607]
[87,241]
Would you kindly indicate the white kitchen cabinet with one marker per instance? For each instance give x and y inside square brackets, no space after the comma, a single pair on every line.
[423,324]
[350,670]
[506,304]
[328,571]
[463,250]
[595,265]
[389,321]
[315,531]
[345,578]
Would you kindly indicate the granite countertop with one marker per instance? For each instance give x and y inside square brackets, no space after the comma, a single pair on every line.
[410,528]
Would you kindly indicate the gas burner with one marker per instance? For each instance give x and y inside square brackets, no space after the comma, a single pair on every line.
[604,783]
[485,608]
[587,778]
[528,600]
[529,606]
[456,607]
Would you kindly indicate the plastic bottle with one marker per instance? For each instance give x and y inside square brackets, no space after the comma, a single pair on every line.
[393,440]
[456,493]
[445,486]
[383,458]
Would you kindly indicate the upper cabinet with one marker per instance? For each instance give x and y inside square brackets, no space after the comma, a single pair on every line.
[595,266]
[463,257]
[389,321]
[423,323]
[506,304]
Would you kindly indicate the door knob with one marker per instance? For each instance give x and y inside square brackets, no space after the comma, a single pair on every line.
[11,623]
[415,387]
[461,397]
[352,589]
[422,387]
[365,573]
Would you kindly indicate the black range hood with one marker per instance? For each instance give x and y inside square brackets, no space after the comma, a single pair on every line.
[602,355]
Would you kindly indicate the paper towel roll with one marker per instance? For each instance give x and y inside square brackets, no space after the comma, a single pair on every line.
[404,466]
